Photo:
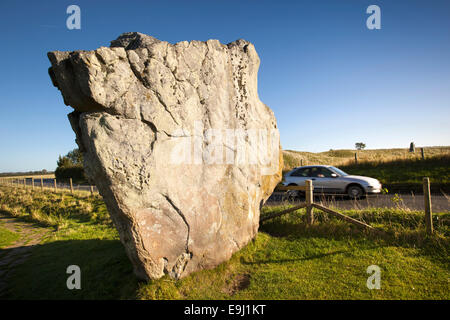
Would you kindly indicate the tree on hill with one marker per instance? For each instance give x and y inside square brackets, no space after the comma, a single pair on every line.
[360,145]
[70,166]
[72,158]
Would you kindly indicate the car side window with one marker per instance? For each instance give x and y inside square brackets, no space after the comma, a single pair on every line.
[302,172]
[326,172]
[316,172]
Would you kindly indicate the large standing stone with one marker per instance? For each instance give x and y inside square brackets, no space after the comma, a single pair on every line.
[168,136]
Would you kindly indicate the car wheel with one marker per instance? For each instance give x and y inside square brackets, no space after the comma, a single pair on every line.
[291,196]
[355,192]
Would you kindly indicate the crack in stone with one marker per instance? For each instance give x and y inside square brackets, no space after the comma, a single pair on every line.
[152,127]
[183,259]
[182,217]
[158,96]
[147,85]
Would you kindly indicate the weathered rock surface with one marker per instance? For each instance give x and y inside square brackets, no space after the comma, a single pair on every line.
[137,103]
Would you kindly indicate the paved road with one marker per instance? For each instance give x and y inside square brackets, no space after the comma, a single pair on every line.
[440,203]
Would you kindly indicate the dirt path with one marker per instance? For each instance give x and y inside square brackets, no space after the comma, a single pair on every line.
[13,255]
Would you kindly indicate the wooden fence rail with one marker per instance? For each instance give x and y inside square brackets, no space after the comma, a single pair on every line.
[278,214]
[342,216]
[310,205]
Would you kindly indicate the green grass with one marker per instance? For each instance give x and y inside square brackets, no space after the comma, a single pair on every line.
[407,174]
[287,260]
[83,236]
[312,267]
[290,260]
[7,237]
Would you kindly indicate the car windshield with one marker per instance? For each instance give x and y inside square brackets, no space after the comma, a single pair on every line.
[338,171]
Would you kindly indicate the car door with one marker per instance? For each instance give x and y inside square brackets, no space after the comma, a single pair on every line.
[326,182]
[318,181]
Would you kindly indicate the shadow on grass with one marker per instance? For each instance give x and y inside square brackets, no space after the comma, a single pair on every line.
[280,261]
[106,272]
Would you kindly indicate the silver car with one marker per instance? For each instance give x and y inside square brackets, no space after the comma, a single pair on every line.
[329,179]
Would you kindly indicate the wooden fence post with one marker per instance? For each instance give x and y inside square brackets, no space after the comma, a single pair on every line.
[42,183]
[54,184]
[92,190]
[427,200]
[356,158]
[32,183]
[309,197]
[423,154]
[71,186]
[301,162]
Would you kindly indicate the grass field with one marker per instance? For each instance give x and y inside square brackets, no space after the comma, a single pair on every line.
[287,260]
[407,175]
[347,157]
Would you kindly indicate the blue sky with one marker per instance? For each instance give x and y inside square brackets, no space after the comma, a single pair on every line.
[330,81]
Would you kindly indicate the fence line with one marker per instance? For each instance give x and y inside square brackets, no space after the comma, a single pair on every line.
[50,184]
[309,200]
[310,205]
